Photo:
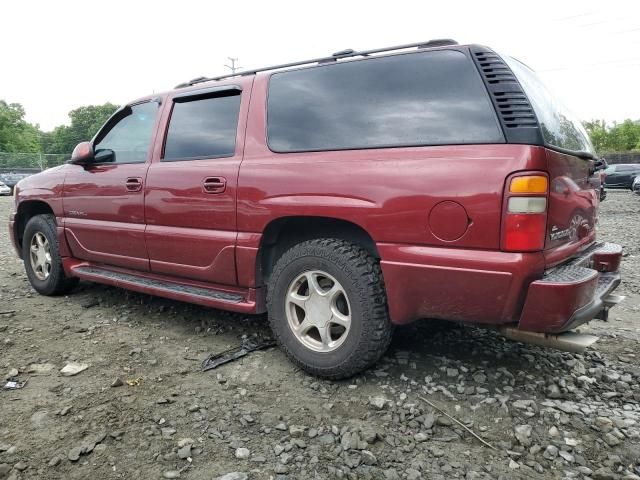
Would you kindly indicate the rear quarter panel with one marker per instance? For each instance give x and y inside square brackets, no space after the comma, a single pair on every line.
[389,192]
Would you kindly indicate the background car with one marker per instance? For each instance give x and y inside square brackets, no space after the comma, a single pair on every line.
[636,185]
[4,190]
[621,175]
[11,179]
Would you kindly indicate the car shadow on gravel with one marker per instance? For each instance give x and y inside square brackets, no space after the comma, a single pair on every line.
[426,347]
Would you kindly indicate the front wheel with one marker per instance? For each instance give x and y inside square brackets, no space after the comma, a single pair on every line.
[41,256]
[327,307]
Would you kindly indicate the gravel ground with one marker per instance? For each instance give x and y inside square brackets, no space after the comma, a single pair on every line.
[142,409]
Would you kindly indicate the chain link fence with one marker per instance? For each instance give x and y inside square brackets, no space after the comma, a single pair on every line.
[30,161]
[621,157]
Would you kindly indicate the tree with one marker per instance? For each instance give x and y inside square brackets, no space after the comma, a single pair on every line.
[16,134]
[620,137]
[85,122]
[597,130]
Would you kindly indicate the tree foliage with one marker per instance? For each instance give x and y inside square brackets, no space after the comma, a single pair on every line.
[85,122]
[16,135]
[619,137]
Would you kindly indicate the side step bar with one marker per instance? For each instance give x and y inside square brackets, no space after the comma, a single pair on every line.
[567,341]
[239,300]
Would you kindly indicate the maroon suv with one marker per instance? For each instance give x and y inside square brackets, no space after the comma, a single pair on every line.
[342,195]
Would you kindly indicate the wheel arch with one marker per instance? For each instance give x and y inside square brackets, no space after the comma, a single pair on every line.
[284,232]
[25,212]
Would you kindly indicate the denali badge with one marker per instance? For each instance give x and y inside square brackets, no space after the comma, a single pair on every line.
[577,226]
[76,213]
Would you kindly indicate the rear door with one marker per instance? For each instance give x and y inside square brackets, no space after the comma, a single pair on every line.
[190,201]
[104,202]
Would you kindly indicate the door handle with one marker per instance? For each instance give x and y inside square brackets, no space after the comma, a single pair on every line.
[134,184]
[214,185]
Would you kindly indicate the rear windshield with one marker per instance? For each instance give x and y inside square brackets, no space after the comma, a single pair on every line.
[560,128]
[428,98]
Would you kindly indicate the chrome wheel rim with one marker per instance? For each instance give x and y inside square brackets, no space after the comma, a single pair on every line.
[318,311]
[40,256]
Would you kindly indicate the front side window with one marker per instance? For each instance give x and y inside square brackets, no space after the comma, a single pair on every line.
[427,98]
[203,128]
[560,128]
[130,137]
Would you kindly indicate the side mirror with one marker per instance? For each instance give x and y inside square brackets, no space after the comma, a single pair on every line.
[82,154]
[103,155]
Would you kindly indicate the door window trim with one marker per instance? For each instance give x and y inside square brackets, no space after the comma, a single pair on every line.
[115,118]
[195,95]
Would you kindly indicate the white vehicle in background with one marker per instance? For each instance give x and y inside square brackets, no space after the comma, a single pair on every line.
[4,190]
[635,186]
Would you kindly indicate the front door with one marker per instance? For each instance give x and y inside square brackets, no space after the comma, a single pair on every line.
[190,201]
[103,202]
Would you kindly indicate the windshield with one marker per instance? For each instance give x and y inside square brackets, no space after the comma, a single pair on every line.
[560,128]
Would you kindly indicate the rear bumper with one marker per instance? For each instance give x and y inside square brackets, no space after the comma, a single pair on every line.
[573,293]
[486,287]
[497,288]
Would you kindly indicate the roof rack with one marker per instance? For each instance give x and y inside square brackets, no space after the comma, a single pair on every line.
[333,58]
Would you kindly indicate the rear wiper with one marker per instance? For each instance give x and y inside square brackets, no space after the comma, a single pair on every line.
[577,153]
[587,156]
[599,164]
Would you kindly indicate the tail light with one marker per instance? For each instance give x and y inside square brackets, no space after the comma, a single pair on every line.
[524,222]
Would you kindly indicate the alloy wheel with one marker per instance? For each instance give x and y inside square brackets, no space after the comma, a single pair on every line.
[40,256]
[318,311]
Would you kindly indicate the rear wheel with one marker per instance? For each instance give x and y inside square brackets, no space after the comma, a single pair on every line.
[327,307]
[41,256]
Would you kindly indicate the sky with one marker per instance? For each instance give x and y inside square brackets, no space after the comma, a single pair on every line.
[58,55]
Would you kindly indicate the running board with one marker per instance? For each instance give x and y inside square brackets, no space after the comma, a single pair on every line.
[168,288]
[567,341]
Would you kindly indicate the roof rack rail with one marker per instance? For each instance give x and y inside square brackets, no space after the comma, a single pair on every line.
[335,57]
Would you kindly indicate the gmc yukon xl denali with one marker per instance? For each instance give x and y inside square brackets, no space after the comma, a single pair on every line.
[343,196]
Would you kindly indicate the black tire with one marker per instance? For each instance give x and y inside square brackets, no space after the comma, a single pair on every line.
[361,277]
[57,283]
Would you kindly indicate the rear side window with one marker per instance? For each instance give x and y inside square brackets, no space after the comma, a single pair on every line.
[203,128]
[428,98]
[560,128]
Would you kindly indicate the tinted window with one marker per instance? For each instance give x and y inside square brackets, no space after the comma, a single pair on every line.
[429,98]
[130,137]
[560,128]
[203,128]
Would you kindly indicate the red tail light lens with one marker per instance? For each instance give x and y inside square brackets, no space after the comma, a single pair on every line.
[524,222]
[524,232]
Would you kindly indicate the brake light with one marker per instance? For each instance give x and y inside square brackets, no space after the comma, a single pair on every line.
[524,223]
